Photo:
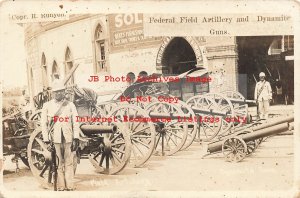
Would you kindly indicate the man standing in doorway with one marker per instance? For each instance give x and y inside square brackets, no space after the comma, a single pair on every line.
[263,96]
[58,121]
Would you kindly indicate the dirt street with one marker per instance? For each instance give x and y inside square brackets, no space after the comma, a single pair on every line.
[269,168]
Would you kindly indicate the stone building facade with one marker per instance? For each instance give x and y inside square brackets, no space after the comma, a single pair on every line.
[115,45]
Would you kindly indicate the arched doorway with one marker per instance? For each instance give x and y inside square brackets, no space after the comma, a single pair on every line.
[178,57]
[266,54]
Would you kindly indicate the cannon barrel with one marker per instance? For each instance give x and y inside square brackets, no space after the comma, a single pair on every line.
[265,132]
[275,122]
[159,115]
[209,111]
[168,115]
[89,129]
[269,124]
[217,146]
[291,126]
[234,100]
[18,137]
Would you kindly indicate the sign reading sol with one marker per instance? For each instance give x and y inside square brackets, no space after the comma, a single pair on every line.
[127,32]
[128,19]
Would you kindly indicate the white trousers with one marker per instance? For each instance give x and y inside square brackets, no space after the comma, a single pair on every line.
[263,109]
[65,172]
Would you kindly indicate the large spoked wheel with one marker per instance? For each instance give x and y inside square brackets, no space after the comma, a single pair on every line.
[141,133]
[39,159]
[234,149]
[35,119]
[142,104]
[208,124]
[251,144]
[104,108]
[192,125]
[225,106]
[240,108]
[114,154]
[170,136]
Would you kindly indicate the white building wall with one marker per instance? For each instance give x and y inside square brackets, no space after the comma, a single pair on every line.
[54,43]
[78,36]
[133,61]
[32,59]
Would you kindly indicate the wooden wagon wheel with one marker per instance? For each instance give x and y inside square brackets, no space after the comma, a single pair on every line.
[251,145]
[192,125]
[170,136]
[113,155]
[142,134]
[248,128]
[142,104]
[35,119]
[206,131]
[225,106]
[240,109]
[39,159]
[234,149]
[106,107]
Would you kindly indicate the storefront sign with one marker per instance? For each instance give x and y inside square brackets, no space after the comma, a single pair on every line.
[127,32]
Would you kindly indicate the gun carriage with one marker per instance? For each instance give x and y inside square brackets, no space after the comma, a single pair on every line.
[237,146]
[142,128]
[15,137]
[106,146]
[195,101]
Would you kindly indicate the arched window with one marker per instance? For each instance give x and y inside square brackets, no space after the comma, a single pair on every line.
[55,72]
[69,65]
[44,71]
[100,51]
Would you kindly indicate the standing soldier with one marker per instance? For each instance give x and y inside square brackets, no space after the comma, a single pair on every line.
[263,96]
[64,133]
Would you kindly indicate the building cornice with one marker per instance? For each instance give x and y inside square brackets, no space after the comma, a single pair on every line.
[31,32]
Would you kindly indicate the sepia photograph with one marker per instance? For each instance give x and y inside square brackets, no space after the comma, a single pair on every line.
[137,102]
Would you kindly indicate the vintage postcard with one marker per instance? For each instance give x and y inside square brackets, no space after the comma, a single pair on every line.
[149,99]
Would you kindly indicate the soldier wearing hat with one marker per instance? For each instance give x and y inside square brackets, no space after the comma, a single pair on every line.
[64,134]
[263,96]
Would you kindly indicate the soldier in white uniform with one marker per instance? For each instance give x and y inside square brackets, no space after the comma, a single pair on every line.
[65,134]
[263,96]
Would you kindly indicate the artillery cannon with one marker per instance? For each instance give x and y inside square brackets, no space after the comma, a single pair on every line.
[201,104]
[106,146]
[229,104]
[237,146]
[163,137]
[111,147]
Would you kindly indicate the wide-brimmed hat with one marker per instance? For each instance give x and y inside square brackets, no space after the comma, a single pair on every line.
[58,85]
